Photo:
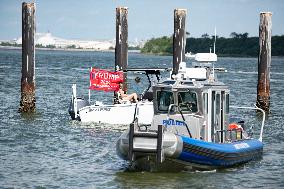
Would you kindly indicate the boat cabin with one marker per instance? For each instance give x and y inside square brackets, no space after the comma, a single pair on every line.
[194,103]
[190,126]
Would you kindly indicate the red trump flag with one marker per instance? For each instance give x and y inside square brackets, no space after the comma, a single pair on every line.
[105,80]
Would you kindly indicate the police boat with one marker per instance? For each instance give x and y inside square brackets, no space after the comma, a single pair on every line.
[191,127]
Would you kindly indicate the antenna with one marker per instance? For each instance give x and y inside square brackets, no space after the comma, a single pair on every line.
[214,41]
[214,51]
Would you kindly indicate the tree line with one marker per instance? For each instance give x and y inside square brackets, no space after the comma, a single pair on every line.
[238,45]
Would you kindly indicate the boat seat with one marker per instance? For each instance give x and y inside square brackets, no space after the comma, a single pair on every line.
[124,101]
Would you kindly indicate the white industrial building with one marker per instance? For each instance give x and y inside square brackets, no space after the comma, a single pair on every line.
[47,39]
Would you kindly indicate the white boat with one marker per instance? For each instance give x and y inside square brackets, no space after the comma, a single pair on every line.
[190,55]
[117,113]
[121,111]
[191,127]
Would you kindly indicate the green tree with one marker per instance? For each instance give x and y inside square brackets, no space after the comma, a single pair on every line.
[205,35]
[239,44]
[161,46]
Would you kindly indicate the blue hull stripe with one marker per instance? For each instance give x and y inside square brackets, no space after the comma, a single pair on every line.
[215,154]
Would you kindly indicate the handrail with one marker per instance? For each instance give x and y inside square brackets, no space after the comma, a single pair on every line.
[263,117]
[230,137]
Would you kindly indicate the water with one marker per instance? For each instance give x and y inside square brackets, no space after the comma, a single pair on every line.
[48,150]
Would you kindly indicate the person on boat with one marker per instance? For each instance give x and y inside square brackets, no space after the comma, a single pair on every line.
[130,97]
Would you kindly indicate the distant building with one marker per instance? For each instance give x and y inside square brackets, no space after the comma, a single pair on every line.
[47,39]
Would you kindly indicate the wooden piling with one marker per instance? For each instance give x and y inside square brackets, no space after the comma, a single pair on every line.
[121,47]
[27,103]
[179,38]
[264,61]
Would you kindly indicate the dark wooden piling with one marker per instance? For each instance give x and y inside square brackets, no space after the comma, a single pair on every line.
[179,38]
[121,47]
[27,103]
[264,61]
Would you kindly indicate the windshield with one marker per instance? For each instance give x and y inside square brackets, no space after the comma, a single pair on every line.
[187,101]
[165,99]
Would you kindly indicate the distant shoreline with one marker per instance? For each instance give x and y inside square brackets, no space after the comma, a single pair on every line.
[65,49]
[130,51]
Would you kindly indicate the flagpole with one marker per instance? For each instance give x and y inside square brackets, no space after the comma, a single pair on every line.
[89,88]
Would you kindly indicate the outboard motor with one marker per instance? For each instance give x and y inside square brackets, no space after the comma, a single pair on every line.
[80,104]
[76,104]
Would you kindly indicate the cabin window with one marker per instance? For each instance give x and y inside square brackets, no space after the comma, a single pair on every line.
[227,103]
[218,105]
[218,112]
[187,101]
[205,103]
[213,111]
[165,99]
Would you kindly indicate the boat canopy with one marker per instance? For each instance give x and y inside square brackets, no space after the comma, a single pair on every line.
[206,57]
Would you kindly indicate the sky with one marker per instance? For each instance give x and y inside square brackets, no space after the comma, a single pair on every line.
[95,19]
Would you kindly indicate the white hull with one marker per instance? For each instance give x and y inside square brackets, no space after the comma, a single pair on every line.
[118,113]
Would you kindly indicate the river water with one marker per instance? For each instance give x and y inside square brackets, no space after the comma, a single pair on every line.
[47,149]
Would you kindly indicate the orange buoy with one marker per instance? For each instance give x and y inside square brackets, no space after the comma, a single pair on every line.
[235,126]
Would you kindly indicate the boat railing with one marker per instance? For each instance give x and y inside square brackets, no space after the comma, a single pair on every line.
[230,135]
[258,109]
[136,134]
